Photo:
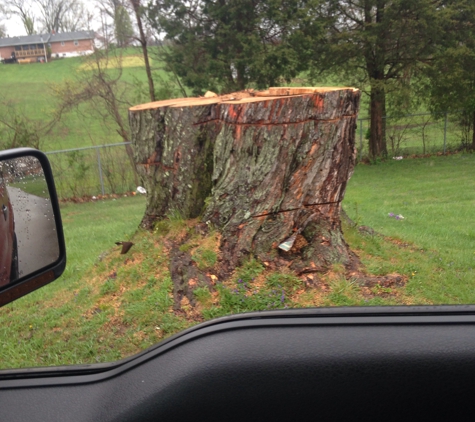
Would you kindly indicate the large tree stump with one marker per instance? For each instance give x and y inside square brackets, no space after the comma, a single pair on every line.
[268,169]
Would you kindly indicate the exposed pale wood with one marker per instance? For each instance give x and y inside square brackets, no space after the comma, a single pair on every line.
[249,95]
[302,90]
[159,104]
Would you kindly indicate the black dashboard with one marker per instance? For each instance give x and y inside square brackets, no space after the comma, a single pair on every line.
[312,364]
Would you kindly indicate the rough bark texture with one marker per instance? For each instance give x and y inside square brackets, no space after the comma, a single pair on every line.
[173,150]
[377,138]
[271,166]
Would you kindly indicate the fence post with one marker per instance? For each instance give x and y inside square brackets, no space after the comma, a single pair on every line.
[445,131]
[361,139]
[100,170]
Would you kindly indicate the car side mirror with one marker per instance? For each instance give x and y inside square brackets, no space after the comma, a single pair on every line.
[32,248]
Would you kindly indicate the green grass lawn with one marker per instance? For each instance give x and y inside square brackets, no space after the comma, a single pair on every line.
[51,326]
[28,89]
[30,86]
[107,306]
[91,228]
[436,196]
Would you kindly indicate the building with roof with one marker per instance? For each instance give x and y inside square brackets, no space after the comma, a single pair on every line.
[43,46]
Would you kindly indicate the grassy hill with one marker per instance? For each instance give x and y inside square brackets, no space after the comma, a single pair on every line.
[29,88]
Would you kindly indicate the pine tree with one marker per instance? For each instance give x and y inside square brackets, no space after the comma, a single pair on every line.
[123,26]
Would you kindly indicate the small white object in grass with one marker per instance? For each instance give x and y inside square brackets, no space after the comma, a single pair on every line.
[397,158]
[141,190]
[396,216]
[94,198]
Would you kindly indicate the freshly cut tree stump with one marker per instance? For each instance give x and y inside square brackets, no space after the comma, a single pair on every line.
[269,169]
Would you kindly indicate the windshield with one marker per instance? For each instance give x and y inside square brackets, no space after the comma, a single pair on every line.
[253,156]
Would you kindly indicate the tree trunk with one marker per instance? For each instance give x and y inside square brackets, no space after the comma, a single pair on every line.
[377,138]
[272,168]
[143,43]
[473,131]
[375,53]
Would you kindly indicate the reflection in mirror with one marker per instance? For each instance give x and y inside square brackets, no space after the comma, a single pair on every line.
[29,240]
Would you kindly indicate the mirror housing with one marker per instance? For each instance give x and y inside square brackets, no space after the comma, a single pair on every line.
[32,247]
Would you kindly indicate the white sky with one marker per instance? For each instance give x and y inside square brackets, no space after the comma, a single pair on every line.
[15,27]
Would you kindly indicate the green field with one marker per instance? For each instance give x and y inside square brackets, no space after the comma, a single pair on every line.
[107,306]
[436,196]
[30,88]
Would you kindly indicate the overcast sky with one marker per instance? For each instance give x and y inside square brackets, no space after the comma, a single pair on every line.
[15,27]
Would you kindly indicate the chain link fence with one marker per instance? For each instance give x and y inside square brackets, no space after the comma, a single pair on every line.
[91,171]
[107,169]
[416,134]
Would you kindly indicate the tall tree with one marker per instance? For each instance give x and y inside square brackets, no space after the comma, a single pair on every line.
[62,15]
[23,9]
[383,41]
[229,44]
[450,82]
[52,12]
[143,42]
[3,12]
[107,10]
[122,26]
[76,18]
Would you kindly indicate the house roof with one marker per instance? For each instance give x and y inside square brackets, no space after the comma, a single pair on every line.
[72,36]
[44,38]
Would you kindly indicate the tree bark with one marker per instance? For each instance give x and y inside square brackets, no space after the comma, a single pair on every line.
[173,150]
[269,170]
[377,138]
[375,58]
[473,131]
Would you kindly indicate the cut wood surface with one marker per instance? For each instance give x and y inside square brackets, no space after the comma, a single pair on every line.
[268,169]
